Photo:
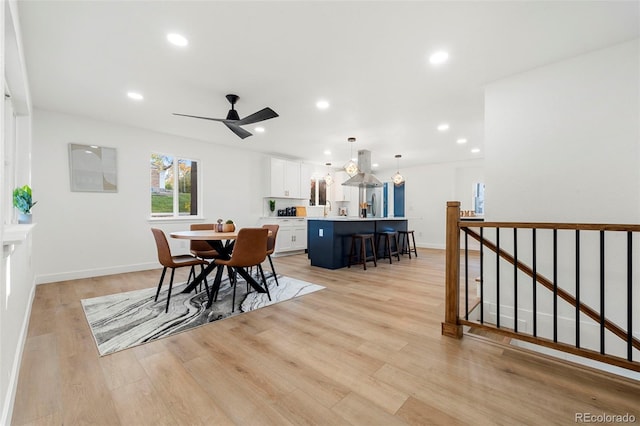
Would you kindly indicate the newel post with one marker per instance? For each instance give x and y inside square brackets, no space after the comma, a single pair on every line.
[450,326]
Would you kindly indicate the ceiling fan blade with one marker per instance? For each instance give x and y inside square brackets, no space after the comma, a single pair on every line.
[237,130]
[204,118]
[263,114]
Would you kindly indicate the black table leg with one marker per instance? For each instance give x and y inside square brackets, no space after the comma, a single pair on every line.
[216,285]
[197,280]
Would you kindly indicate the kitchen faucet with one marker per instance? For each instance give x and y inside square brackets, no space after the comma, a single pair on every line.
[325,207]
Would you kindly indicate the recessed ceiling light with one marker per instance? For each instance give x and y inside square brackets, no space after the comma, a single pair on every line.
[475,150]
[375,165]
[439,57]
[259,129]
[443,127]
[322,104]
[327,152]
[461,141]
[135,96]
[177,39]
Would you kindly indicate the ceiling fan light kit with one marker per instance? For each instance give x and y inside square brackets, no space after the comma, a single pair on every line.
[233,120]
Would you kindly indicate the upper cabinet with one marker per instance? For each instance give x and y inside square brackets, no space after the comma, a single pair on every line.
[284,179]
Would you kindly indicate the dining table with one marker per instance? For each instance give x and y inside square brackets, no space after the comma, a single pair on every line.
[223,243]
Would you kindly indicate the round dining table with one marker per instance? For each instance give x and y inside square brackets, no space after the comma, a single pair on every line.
[222,242]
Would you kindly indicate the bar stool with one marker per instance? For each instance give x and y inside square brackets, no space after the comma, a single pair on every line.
[362,258]
[405,244]
[387,249]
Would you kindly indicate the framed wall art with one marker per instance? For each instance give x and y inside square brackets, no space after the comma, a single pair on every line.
[92,168]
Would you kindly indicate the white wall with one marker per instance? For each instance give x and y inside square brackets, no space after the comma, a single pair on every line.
[427,190]
[562,144]
[83,234]
[563,140]
[17,283]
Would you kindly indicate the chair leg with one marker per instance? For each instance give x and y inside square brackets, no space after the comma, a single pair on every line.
[164,270]
[173,271]
[233,281]
[352,251]
[264,280]
[415,250]
[274,271]
[395,237]
[192,275]
[373,251]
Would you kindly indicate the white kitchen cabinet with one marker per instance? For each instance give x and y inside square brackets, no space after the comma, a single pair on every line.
[284,178]
[292,234]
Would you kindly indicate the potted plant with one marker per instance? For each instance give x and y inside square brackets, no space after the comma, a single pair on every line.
[23,201]
[228,226]
[272,205]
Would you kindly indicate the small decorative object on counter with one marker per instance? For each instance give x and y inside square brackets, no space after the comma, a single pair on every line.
[23,201]
[363,209]
[219,225]
[272,205]
[228,226]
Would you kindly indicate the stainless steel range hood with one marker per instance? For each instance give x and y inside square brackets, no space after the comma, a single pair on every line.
[364,179]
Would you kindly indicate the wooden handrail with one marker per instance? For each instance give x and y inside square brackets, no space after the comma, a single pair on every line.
[588,311]
[550,225]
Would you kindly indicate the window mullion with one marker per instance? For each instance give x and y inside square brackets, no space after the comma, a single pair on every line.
[176,188]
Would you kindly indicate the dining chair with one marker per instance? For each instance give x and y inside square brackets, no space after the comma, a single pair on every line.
[250,249]
[167,260]
[271,244]
[203,249]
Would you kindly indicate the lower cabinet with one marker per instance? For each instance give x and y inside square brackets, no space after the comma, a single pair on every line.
[292,234]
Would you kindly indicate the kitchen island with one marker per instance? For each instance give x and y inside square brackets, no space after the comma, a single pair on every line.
[329,238]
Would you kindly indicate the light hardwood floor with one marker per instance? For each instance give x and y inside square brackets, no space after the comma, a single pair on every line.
[367,350]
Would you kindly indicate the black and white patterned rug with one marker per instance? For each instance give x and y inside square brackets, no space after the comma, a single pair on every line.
[123,320]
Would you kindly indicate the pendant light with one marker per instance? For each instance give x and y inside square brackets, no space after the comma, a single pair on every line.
[351,167]
[328,178]
[397,178]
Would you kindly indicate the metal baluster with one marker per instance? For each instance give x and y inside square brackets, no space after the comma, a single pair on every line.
[629,296]
[481,275]
[602,292]
[535,285]
[466,273]
[555,285]
[498,277]
[515,280]
[577,288]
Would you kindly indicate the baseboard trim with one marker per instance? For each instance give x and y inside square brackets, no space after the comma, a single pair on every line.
[431,246]
[89,273]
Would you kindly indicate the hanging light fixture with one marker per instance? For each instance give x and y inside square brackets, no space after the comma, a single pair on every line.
[328,178]
[351,167]
[397,178]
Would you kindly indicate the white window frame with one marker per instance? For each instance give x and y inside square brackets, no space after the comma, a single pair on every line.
[175,215]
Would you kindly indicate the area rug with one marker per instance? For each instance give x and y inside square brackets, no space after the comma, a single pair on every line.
[123,320]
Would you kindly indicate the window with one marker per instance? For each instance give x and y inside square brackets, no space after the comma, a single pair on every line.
[318,192]
[174,186]
[478,198]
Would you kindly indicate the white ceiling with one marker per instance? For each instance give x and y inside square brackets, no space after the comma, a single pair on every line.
[368,59]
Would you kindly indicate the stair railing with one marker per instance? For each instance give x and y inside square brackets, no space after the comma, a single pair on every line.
[460,313]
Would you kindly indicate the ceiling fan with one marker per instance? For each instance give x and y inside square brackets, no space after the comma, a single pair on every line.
[233,120]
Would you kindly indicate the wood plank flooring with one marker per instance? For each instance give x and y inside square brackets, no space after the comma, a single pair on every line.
[367,350]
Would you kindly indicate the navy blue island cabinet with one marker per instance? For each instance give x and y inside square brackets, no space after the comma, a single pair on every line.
[329,239]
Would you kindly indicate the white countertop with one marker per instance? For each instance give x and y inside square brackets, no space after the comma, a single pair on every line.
[356,218]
